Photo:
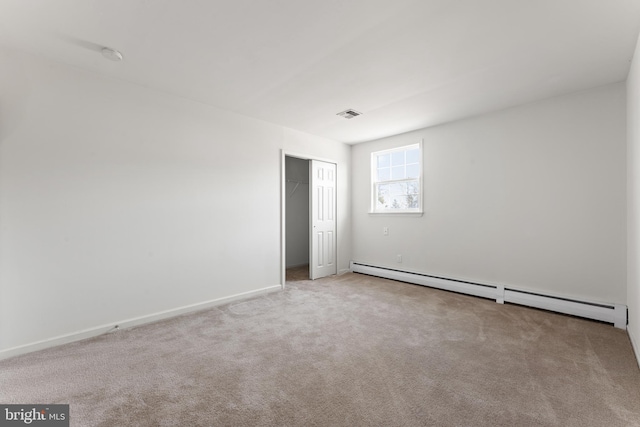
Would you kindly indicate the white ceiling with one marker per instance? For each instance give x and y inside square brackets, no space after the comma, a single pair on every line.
[405,64]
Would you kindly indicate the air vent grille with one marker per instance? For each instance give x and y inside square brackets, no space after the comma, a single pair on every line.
[349,114]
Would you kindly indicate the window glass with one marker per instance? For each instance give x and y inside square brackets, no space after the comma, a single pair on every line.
[384,174]
[384,160]
[397,172]
[396,179]
[413,171]
[413,156]
[397,158]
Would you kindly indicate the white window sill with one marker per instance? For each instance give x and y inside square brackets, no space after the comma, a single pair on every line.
[416,214]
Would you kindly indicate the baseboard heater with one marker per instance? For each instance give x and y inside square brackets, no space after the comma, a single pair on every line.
[615,314]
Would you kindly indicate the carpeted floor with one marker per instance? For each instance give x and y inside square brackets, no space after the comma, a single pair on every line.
[298,274]
[351,350]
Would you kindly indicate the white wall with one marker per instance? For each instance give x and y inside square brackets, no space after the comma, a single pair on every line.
[117,201]
[297,217]
[532,197]
[633,200]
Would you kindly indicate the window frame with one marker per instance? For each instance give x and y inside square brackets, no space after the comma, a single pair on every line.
[374,183]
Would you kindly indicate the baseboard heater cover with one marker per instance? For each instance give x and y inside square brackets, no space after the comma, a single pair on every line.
[615,314]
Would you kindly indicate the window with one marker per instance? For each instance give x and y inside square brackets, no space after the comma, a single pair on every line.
[397,180]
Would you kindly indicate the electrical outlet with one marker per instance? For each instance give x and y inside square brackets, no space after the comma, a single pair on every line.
[385,231]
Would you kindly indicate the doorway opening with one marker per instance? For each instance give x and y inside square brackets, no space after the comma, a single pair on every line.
[297,218]
[308,214]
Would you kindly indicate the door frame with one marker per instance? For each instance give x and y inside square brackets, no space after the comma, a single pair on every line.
[283,207]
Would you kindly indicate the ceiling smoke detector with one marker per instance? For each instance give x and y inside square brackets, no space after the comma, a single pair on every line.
[348,114]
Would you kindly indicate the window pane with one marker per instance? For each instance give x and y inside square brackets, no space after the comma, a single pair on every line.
[397,158]
[413,171]
[399,202]
[413,156]
[412,201]
[412,187]
[383,160]
[398,188]
[384,174]
[397,172]
[397,196]
[382,196]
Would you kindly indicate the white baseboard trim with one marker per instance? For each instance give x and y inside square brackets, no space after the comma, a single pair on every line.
[634,344]
[128,323]
[615,314]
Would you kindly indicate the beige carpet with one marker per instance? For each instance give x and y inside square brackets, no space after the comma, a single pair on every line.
[347,351]
[298,274]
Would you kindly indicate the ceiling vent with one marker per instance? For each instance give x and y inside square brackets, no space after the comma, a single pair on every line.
[111,54]
[349,114]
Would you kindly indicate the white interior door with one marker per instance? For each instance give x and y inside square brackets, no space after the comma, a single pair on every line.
[322,242]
